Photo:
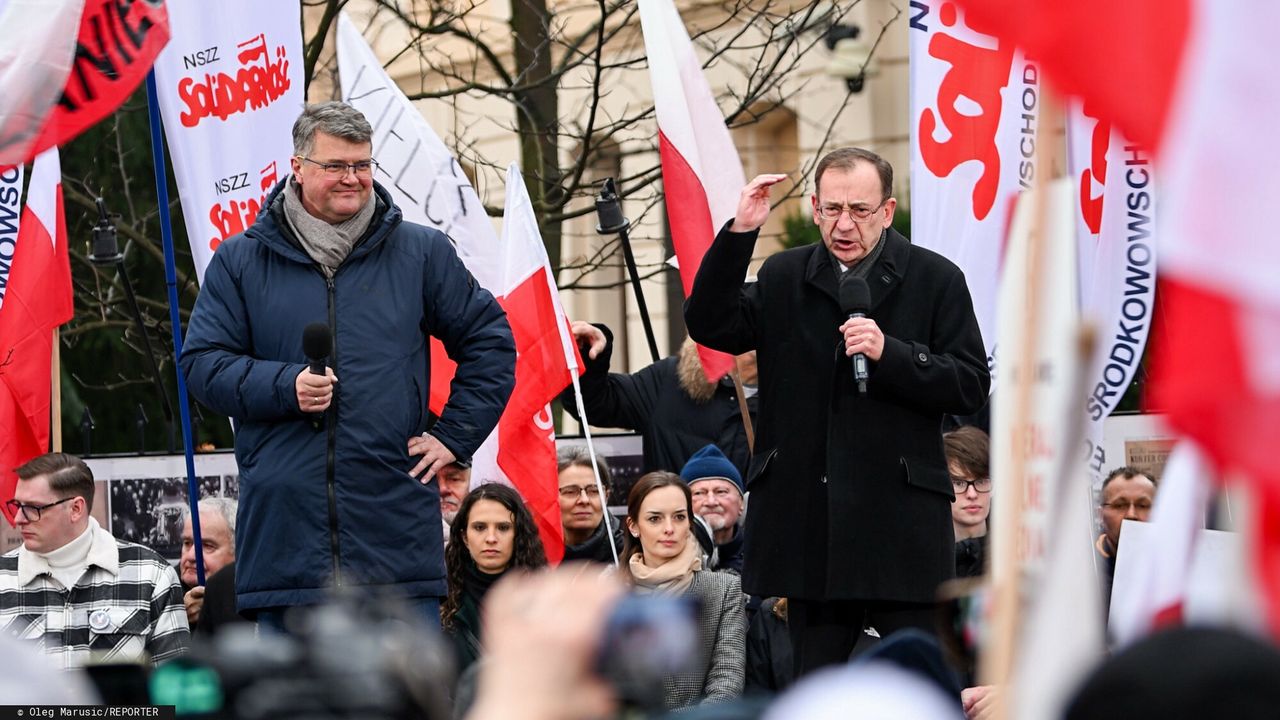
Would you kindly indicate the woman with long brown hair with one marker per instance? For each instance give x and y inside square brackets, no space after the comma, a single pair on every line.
[661,556]
[492,535]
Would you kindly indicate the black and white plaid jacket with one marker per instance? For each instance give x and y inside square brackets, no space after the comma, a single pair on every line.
[127,605]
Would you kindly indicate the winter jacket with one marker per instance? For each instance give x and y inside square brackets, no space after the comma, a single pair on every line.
[327,498]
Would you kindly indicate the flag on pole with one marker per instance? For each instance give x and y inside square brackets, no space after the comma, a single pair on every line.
[701,173]
[546,361]
[1161,71]
[37,300]
[115,48]
[35,58]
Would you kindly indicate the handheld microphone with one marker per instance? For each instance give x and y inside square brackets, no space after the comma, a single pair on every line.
[317,343]
[855,299]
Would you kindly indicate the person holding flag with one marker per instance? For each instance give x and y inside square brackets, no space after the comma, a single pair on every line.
[330,494]
[851,498]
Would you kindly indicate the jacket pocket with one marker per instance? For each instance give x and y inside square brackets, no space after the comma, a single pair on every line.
[760,467]
[120,631]
[926,476]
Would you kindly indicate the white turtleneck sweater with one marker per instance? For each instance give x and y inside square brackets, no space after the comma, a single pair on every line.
[68,563]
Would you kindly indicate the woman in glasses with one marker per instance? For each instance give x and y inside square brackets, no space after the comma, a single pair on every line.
[662,557]
[586,524]
[968,451]
[492,535]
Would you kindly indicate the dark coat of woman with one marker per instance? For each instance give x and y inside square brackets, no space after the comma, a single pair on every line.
[850,495]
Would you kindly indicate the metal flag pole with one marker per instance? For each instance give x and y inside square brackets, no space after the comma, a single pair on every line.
[171,281]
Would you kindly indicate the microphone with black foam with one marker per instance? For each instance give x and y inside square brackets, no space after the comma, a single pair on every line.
[855,299]
[317,343]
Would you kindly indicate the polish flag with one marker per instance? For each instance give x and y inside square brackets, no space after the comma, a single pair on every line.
[546,361]
[1191,79]
[35,59]
[37,300]
[701,173]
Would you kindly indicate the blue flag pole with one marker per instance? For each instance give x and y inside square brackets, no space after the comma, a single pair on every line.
[175,320]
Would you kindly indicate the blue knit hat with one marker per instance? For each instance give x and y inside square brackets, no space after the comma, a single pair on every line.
[709,463]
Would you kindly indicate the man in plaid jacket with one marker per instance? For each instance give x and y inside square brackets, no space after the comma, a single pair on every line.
[73,589]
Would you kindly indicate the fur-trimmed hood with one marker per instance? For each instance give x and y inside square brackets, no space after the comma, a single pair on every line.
[689,372]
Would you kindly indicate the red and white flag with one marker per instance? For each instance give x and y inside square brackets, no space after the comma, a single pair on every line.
[38,298]
[1163,71]
[701,173]
[115,46]
[546,361]
[35,58]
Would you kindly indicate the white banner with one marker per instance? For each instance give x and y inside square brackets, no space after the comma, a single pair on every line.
[10,213]
[230,85]
[413,163]
[975,104]
[1116,227]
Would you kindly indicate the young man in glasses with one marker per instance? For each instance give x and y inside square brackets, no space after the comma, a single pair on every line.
[851,490]
[72,588]
[335,467]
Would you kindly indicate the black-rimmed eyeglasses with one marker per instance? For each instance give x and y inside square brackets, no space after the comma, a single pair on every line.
[32,512]
[961,485]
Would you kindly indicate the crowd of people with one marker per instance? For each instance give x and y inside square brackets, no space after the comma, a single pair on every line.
[807,525]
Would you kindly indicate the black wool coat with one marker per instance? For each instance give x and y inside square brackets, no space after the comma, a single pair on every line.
[850,495]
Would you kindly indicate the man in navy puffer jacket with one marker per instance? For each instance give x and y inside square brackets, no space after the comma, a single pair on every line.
[329,490]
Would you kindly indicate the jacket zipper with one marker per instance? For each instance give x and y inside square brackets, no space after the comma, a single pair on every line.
[335,549]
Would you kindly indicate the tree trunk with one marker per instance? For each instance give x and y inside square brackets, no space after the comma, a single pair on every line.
[537,115]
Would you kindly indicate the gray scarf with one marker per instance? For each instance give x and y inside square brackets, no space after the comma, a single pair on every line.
[327,244]
[862,268]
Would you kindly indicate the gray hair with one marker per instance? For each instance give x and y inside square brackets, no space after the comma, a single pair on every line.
[847,158]
[222,505]
[580,456]
[331,118]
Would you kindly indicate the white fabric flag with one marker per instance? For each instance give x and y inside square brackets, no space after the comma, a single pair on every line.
[35,59]
[230,87]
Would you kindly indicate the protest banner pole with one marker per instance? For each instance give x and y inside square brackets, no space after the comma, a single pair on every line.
[1006,608]
[55,395]
[175,320]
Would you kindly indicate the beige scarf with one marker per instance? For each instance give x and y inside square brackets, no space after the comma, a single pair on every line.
[327,244]
[671,577]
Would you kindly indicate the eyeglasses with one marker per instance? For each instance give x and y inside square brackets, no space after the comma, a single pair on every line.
[1122,507]
[573,492]
[32,512]
[859,214]
[961,485]
[362,168]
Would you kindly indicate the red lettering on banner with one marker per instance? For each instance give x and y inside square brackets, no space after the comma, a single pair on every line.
[977,74]
[257,84]
[1091,206]
[237,215]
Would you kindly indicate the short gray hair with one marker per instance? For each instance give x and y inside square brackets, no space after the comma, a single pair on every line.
[578,455]
[224,506]
[331,118]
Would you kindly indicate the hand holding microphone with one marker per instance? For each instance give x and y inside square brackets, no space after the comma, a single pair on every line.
[314,385]
[862,337]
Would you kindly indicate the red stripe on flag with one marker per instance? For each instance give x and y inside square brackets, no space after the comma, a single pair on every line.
[1199,377]
[38,299]
[526,435]
[689,215]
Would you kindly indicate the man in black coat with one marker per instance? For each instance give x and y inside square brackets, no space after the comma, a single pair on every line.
[851,499]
